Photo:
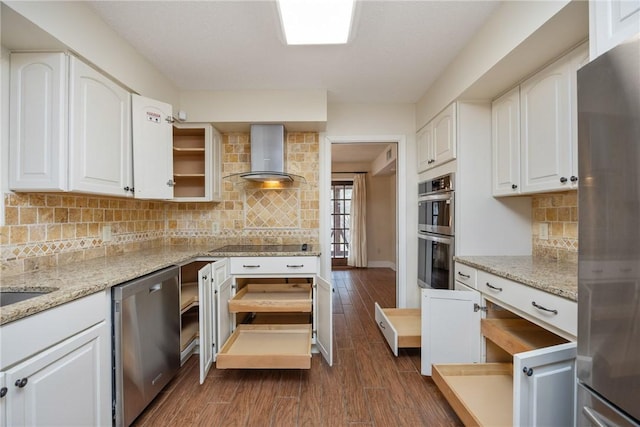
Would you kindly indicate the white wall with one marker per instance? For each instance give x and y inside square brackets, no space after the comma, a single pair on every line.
[509,26]
[75,25]
[357,122]
[303,110]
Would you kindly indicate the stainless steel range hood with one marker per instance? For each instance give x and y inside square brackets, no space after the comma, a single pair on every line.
[268,155]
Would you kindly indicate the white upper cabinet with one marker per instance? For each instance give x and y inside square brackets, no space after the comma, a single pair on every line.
[436,142]
[99,133]
[38,122]
[177,161]
[536,123]
[545,101]
[152,156]
[611,22]
[505,143]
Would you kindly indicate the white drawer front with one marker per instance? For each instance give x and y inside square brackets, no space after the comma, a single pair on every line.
[536,305]
[465,274]
[274,265]
[387,329]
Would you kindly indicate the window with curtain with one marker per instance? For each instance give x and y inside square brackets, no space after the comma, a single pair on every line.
[340,208]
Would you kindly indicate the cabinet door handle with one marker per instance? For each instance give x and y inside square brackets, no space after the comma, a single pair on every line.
[527,371]
[250,266]
[563,179]
[466,276]
[21,382]
[494,288]
[514,186]
[3,392]
[573,178]
[295,265]
[539,307]
[382,325]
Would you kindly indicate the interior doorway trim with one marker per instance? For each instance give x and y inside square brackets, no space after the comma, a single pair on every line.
[401,200]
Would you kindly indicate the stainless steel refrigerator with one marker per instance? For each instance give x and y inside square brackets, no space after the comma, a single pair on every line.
[608,362]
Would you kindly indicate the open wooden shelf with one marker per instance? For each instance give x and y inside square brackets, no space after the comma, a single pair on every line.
[280,318]
[188,296]
[267,347]
[518,335]
[189,331]
[260,297]
[481,394]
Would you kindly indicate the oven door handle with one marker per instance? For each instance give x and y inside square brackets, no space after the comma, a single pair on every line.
[435,238]
[436,197]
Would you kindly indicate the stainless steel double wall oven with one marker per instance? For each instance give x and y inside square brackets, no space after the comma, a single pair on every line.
[436,232]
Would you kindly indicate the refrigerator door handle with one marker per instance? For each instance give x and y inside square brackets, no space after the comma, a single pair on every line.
[595,417]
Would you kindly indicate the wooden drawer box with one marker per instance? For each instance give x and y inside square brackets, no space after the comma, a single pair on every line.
[262,297]
[401,327]
[267,347]
[273,265]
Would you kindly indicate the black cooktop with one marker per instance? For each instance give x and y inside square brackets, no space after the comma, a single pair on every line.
[264,248]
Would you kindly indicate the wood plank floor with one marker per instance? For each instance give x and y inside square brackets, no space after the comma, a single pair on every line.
[366,386]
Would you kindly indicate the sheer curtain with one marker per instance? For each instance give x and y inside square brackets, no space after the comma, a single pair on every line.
[358,214]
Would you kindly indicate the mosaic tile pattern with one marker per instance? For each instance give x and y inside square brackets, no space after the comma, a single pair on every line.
[560,212]
[272,208]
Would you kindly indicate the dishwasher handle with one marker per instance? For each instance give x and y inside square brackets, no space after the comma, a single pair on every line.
[155,288]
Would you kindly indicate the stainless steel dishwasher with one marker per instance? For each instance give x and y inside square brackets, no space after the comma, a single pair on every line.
[146,340]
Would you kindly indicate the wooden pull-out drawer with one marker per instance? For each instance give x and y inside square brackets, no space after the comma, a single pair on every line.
[401,327]
[259,297]
[518,335]
[267,347]
[481,394]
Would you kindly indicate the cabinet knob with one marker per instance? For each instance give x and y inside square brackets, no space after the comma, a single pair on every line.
[204,277]
[527,371]
[171,183]
[21,382]
[127,188]
[563,179]
[514,186]
[3,392]
[573,178]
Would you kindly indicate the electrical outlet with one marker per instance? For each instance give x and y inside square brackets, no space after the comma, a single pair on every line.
[543,231]
[215,227]
[106,233]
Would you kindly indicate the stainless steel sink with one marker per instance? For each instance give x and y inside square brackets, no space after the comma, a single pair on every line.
[11,297]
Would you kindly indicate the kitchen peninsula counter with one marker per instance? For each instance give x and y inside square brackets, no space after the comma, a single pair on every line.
[555,277]
[69,282]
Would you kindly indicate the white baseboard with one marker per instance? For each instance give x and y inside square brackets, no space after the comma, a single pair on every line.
[382,264]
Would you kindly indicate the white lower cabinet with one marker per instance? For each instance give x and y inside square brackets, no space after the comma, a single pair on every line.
[527,377]
[263,313]
[61,373]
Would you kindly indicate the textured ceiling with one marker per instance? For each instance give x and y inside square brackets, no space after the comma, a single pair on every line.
[397,48]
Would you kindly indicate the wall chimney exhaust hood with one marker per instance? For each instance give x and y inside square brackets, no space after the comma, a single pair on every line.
[267,156]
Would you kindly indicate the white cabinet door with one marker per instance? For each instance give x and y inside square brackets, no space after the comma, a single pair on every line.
[100,133]
[152,148]
[450,327]
[68,384]
[578,58]
[505,143]
[424,148]
[38,122]
[544,386]
[225,320]
[206,316]
[216,166]
[324,319]
[444,135]
[611,22]
[545,129]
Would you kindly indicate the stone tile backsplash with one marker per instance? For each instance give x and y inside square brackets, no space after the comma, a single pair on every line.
[47,229]
[559,213]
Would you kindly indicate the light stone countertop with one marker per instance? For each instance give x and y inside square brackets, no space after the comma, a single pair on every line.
[72,281]
[556,277]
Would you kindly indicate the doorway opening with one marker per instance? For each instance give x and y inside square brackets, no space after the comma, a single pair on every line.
[340,221]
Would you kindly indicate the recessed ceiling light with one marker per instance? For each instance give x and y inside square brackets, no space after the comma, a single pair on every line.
[316,21]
